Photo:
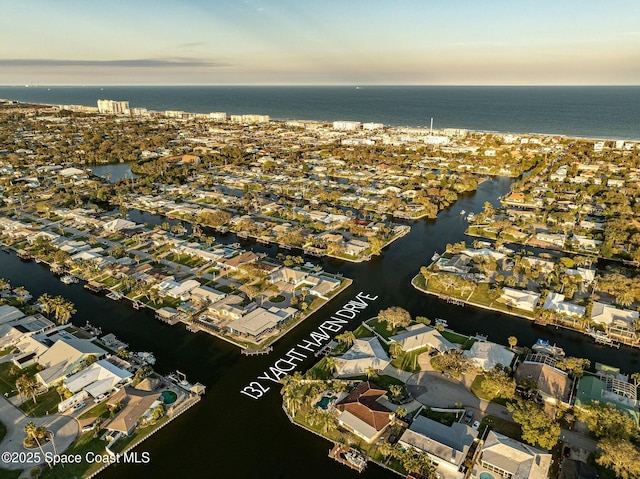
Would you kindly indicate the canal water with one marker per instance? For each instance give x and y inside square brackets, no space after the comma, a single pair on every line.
[229,435]
[113,171]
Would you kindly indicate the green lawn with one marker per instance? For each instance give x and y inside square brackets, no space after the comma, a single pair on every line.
[97,411]
[380,327]
[82,445]
[122,444]
[447,418]
[9,474]
[409,361]
[46,403]
[5,351]
[7,383]
[455,337]
[501,426]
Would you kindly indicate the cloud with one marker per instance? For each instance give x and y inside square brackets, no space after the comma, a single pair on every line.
[175,62]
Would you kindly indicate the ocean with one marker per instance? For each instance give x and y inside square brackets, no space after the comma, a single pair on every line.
[611,112]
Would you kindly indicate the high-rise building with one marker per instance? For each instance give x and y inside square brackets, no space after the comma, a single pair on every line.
[114,107]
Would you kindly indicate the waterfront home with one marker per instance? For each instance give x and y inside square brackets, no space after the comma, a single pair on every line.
[419,336]
[363,414]
[98,379]
[516,298]
[230,307]
[117,225]
[446,446]
[487,355]
[12,333]
[293,276]
[609,388]
[621,322]
[65,357]
[176,290]
[206,294]
[137,406]
[355,247]
[552,238]
[365,354]
[511,459]
[260,321]
[237,261]
[456,264]
[556,302]
[553,384]
[9,314]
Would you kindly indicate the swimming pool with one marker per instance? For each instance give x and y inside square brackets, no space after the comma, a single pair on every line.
[169,397]
[325,401]
[486,475]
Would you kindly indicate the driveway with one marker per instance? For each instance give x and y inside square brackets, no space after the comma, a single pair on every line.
[64,428]
[432,389]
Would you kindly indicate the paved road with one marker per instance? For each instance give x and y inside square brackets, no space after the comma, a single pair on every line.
[64,428]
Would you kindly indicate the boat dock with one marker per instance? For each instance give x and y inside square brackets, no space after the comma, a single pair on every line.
[257,352]
[23,255]
[349,457]
[94,286]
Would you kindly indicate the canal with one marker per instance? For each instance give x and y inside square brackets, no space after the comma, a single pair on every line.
[229,435]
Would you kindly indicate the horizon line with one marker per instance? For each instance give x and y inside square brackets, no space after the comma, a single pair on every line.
[354,85]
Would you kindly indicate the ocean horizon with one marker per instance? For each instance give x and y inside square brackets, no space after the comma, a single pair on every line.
[603,112]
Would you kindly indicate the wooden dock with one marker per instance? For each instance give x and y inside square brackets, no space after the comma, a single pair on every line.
[349,457]
[257,352]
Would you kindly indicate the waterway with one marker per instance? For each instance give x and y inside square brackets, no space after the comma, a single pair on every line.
[232,436]
[114,171]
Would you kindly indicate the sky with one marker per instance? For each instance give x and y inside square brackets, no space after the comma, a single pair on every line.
[320,42]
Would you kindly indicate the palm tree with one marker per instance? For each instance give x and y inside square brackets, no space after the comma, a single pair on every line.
[395,349]
[330,363]
[371,372]
[63,310]
[625,298]
[512,342]
[46,302]
[27,385]
[346,338]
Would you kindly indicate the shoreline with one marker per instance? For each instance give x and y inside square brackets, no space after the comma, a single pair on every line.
[568,136]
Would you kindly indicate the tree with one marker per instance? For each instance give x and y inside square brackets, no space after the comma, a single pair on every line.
[371,372]
[512,342]
[538,428]
[46,303]
[346,338]
[575,366]
[605,420]
[395,317]
[423,320]
[496,384]
[401,413]
[395,350]
[621,456]
[27,384]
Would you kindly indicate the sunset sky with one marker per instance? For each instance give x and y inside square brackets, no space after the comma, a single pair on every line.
[408,42]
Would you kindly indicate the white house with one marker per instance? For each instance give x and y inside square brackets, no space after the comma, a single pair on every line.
[419,336]
[364,354]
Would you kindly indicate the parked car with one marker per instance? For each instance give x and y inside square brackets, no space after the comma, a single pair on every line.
[476,425]
[468,416]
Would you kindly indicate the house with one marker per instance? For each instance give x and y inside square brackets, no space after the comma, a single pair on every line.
[243,258]
[176,290]
[456,264]
[446,446]
[511,459]
[205,293]
[419,336]
[362,414]
[355,247]
[553,238]
[136,406]
[65,357]
[526,300]
[230,307]
[617,321]
[117,225]
[287,275]
[364,354]
[9,313]
[260,321]
[13,332]
[487,355]
[608,389]
[556,302]
[98,379]
[553,384]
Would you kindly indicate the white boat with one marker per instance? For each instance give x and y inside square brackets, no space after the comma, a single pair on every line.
[471,217]
[442,322]
[68,279]
[115,295]
[462,212]
[355,458]
[435,256]
[146,357]
[543,346]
